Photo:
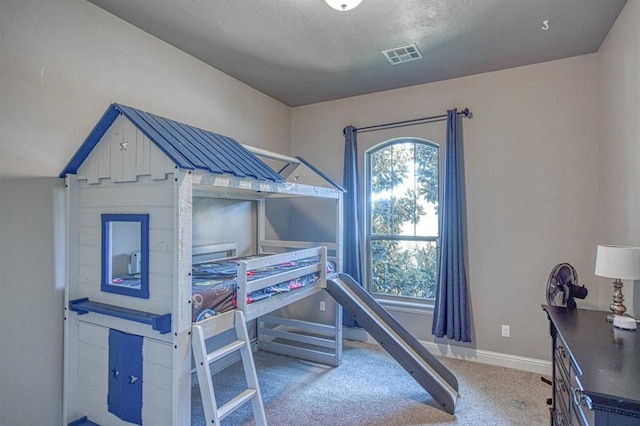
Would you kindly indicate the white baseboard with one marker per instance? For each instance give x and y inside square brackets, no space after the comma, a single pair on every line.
[522,363]
[532,365]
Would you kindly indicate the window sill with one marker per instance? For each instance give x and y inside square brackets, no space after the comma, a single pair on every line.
[407,306]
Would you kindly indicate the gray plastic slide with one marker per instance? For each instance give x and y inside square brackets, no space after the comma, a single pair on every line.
[425,368]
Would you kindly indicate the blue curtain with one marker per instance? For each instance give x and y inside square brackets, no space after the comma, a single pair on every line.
[351,237]
[451,313]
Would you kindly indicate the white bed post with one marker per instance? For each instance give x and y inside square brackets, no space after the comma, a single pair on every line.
[339,263]
[181,320]
[69,406]
[262,224]
[339,232]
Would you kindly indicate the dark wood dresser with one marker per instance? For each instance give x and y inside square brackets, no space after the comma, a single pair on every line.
[596,369]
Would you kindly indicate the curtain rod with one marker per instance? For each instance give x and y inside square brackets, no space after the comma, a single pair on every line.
[465,113]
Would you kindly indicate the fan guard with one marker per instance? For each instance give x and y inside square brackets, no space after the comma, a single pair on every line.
[562,286]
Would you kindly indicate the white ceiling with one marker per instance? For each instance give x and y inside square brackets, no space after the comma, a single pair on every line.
[302,51]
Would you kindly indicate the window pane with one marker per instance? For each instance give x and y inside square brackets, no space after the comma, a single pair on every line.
[389,176]
[404,268]
[404,190]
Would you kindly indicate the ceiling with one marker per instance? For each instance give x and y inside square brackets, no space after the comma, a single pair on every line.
[302,51]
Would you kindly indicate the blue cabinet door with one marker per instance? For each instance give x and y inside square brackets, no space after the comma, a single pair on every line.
[125,376]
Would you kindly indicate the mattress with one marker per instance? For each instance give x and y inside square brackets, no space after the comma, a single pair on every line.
[214,284]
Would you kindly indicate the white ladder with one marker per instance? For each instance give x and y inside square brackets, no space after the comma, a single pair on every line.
[206,329]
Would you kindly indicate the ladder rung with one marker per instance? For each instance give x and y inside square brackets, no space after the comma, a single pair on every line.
[225,350]
[236,402]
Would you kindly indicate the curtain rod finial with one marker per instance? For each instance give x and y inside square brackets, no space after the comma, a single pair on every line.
[344,130]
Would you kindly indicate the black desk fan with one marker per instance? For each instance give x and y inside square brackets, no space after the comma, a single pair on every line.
[563,287]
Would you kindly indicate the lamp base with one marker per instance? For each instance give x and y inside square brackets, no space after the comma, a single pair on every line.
[625,322]
[616,306]
[611,317]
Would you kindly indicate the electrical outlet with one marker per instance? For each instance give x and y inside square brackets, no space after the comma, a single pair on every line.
[323,306]
[506,331]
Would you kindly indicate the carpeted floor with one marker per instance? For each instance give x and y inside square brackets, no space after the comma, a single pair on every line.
[370,388]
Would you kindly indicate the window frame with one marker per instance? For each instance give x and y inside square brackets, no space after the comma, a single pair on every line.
[406,303]
[107,220]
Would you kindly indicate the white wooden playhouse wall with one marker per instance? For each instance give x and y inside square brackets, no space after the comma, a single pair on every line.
[126,173]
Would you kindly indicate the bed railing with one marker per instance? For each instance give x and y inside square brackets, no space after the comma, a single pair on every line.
[245,287]
[288,336]
[299,338]
[274,246]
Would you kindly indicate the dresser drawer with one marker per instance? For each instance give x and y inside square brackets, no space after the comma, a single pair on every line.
[559,419]
[581,412]
[563,359]
[561,394]
[570,401]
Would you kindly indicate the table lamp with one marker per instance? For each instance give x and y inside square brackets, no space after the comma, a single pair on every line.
[619,263]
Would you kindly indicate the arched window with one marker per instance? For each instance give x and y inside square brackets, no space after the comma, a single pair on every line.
[402,194]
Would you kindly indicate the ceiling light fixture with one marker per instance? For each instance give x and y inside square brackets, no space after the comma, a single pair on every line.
[343,5]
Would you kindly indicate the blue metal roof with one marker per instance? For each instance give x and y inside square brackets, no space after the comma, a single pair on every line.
[188,147]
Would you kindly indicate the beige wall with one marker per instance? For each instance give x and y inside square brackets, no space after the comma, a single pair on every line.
[619,143]
[530,163]
[32,281]
[62,62]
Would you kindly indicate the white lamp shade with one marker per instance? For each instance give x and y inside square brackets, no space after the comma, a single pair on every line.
[343,5]
[621,262]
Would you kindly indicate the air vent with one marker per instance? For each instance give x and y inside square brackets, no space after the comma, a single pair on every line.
[402,54]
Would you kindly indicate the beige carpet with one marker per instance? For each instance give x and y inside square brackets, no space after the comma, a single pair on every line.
[370,388]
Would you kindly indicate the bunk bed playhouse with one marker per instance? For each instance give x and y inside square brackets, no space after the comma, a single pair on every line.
[158,212]
[141,190]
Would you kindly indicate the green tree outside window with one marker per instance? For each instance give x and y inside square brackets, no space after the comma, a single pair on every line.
[403,218]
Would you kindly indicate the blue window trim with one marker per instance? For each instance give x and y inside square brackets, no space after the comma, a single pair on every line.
[143,219]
